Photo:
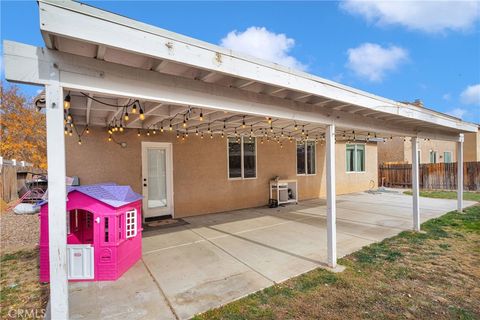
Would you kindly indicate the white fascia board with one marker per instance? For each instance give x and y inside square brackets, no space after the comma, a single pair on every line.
[27,64]
[85,23]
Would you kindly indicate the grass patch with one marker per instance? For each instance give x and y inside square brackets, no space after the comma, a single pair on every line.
[467,195]
[433,274]
[19,284]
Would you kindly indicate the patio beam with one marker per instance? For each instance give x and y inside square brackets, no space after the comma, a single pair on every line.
[415,184]
[28,64]
[460,173]
[331,204]
[57,220]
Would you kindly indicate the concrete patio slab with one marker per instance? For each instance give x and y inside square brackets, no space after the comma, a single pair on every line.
[134,296]
[218,258]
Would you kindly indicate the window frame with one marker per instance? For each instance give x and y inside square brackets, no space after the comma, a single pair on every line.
[128,226]
[451,156]
[430,156]
[355,157]
[242,161]
[304,142]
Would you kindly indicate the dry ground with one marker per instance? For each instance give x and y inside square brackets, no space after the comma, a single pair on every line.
[430,275]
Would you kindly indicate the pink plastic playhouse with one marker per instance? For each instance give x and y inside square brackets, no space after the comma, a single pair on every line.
[104,232]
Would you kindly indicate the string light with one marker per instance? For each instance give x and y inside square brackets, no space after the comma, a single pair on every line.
[110,131]
[211,136]
[125,117]
[70,133]
[110,138]
[79,141]
[134,108]
[201,136]
[66,102]
[178,135]
[303,130]
[269,120]
[142,115]
[148,132]
[138,132]
[295,127]
[196,131]
[170,127]
[184,122]
[66,130]
[243,122]
[69,117]
[201,115]
[186,134]
[87,130]
[154,131]
[121,127]
[161,128]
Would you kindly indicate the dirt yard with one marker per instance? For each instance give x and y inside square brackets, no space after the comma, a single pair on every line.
[430,275]
[18,232]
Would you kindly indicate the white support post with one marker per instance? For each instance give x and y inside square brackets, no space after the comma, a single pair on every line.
[331,205]
[57,219]
[415,185]
[460,173]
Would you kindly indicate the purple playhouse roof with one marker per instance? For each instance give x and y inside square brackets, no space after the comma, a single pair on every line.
[109,193]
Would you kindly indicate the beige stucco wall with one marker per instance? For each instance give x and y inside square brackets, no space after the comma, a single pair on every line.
[200,170]
[471,147]
[392,150]
[398,150]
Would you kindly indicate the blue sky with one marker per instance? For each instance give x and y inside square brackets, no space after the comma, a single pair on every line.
[403,50]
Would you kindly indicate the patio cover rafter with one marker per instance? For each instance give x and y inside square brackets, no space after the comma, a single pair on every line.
[29,64]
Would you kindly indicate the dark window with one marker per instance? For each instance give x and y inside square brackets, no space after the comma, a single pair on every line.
[301,166]
[249,158]
[234,158]
[306,157]
[242,157]
[311,163]
[106,229]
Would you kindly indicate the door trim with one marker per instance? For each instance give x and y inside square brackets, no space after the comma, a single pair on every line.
[169,169]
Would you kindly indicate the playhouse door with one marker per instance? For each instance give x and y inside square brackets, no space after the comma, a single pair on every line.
[80,261]
[157,179]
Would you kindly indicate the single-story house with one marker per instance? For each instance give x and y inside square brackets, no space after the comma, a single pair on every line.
[133,97]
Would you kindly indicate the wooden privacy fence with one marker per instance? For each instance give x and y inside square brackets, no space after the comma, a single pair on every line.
[10,180]
[432,175]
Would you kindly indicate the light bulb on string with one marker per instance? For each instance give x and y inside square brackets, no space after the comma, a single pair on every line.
[79,141]
[154,131]
[142,115]
[178,135]
[66,102]
[87,130]
[303,130]
[243,122]
[134,108]
[196,131]
[66,130]
[110,138]
[170,127]
[201,115]
[295,127]
[70,133]
[138,132]
[148,132]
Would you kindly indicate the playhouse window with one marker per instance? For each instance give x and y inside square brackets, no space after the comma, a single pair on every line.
[68,222]
[131,223]
[120,231]
[106,230]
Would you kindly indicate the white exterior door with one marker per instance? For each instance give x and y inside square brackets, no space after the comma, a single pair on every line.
[157,179]
[80,261]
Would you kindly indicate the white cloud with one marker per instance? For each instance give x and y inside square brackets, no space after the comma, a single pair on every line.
[471,95]
[264,44]
[426,16]
[372,61]
[458,112]
[447,97]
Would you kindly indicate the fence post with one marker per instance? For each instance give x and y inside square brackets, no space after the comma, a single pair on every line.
[415,185]
[460,173]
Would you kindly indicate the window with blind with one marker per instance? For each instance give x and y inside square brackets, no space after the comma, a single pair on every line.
[355,157]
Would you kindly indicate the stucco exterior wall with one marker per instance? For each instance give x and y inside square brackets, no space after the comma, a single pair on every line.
[471,147]
[397,150]
[200,177]
[392,150]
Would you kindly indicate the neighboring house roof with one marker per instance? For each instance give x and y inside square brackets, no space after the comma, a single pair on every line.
[108,193]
